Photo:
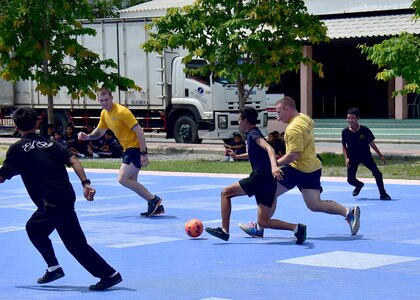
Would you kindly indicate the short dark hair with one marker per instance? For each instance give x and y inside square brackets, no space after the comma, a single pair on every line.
[250,114]
[354,111]
[25,118]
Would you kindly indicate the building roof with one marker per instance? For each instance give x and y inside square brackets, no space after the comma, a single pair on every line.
[338,28]
[155,8]
[371,26]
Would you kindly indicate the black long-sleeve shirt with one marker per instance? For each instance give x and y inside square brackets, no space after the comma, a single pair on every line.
[42,166]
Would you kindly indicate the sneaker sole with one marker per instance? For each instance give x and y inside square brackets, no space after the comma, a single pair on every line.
[156,213]
[210,231]
[250,234]
[356,213]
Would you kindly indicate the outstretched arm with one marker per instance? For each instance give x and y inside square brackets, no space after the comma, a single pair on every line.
[94,135]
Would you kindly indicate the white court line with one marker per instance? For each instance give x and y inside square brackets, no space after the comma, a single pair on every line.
[240,176]
[10,229]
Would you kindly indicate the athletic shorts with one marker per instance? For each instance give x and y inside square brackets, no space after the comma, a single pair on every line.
[262,186]
[293,177]
[132,155]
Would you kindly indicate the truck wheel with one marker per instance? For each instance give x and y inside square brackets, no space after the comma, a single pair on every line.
[186,130]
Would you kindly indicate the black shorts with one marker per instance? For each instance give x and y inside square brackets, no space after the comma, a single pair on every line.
[262,186]
[293,177]
[132,155]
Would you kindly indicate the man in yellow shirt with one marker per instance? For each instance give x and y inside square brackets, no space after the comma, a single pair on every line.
[301,167]
[129,133]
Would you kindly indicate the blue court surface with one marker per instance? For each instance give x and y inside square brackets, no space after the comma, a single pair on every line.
[158,260]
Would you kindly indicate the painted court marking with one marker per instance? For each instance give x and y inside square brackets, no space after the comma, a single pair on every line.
[349,260]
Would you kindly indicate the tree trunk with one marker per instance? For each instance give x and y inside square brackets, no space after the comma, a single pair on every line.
[50,110]
[241,93]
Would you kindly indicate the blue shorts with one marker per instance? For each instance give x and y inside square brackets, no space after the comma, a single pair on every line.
[293,177]
[262,186]
[132,155]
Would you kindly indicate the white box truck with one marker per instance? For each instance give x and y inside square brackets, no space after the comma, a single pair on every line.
[187,108]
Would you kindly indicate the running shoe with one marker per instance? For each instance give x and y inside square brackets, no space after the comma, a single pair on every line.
[106,283]
[357,190]
[385,197]
[300,234]
[353,218]
[152,206]
[160,210]
[51,276]
[252,230]
[218,232]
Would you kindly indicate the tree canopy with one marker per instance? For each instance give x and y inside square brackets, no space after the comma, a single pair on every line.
[398,56]
[39,41]
[251,42]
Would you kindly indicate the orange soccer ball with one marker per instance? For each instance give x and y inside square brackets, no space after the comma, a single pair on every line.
[194,228]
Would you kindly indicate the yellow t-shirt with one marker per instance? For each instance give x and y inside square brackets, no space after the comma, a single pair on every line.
[120,120]
[299,137]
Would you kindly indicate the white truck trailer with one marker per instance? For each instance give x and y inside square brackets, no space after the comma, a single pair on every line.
[187,108]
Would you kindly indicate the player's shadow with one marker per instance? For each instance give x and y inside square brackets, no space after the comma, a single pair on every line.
[375,199]
[70,288]
[338,238]
[167,217]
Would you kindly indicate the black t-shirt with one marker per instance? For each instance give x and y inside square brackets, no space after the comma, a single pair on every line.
[41,164]
[357,143]
[258,157]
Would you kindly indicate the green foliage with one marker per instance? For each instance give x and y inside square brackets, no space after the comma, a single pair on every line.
[251,42]
[398,56]
[38,41]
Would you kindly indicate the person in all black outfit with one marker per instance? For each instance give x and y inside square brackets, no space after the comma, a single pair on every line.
[42,166]
[357,140]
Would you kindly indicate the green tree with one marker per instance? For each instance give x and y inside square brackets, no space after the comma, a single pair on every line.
[38,41]
[398,56]
[250,42]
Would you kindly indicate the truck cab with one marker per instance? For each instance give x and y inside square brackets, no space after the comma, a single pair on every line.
[206,107]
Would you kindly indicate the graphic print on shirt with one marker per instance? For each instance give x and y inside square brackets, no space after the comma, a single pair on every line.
[39,144]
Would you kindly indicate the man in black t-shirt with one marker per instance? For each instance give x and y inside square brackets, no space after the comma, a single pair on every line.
[261,183]
[357,140]
[41,164]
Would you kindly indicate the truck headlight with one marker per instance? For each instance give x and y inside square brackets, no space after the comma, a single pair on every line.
[222,121]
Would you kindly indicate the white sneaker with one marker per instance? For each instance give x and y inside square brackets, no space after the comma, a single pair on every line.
[95,155]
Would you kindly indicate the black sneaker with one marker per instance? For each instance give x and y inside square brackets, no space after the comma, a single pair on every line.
[357,190]
[218,232]
[51,276]
[300,234]
[385,197]
[106,283]
[160,210]
[152,206]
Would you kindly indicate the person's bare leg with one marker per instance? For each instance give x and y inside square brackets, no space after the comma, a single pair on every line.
[127,177]
[227,194]
[265,220]
[314,203]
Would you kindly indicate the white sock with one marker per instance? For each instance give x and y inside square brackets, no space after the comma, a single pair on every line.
[258,226]
[296,229]
[53,268]
[225,231]
[347,211]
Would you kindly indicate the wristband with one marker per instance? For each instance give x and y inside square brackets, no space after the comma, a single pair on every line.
[84,182]
[144,152]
